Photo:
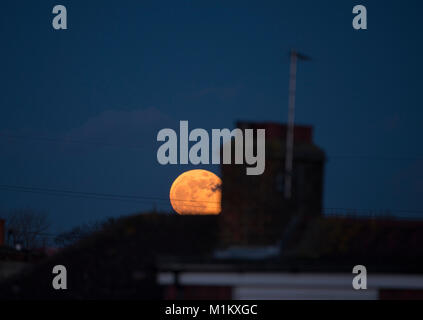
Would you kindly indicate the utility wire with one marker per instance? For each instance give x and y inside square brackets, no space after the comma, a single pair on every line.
[144,199]
[96,195]
[72,141]
[377,157]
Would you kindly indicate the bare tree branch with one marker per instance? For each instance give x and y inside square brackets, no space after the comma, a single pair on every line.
[27,227]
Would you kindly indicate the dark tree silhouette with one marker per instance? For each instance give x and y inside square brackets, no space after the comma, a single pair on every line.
[72,236]
[27,228]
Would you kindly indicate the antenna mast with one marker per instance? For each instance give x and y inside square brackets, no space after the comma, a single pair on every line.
[290,131]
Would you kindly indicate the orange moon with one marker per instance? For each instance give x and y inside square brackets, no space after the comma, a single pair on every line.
[196,192]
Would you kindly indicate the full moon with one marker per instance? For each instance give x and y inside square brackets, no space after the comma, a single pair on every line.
[196,192]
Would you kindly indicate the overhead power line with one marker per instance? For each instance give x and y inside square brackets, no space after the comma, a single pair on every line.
[377,157]
[71,141]
[190,203]
[97,195]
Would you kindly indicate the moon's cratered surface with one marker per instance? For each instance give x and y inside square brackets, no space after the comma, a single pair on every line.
[196,192]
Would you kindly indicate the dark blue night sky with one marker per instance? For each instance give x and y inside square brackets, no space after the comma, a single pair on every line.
[80,108]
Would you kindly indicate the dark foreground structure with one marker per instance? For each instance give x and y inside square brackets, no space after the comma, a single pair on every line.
[260,246]
[157,255]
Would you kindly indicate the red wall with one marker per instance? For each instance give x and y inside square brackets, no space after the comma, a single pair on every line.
[302,134]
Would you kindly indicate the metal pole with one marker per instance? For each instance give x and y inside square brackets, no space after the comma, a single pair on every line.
[290,132]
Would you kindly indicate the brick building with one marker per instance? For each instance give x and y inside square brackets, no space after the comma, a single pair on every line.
[254,211]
